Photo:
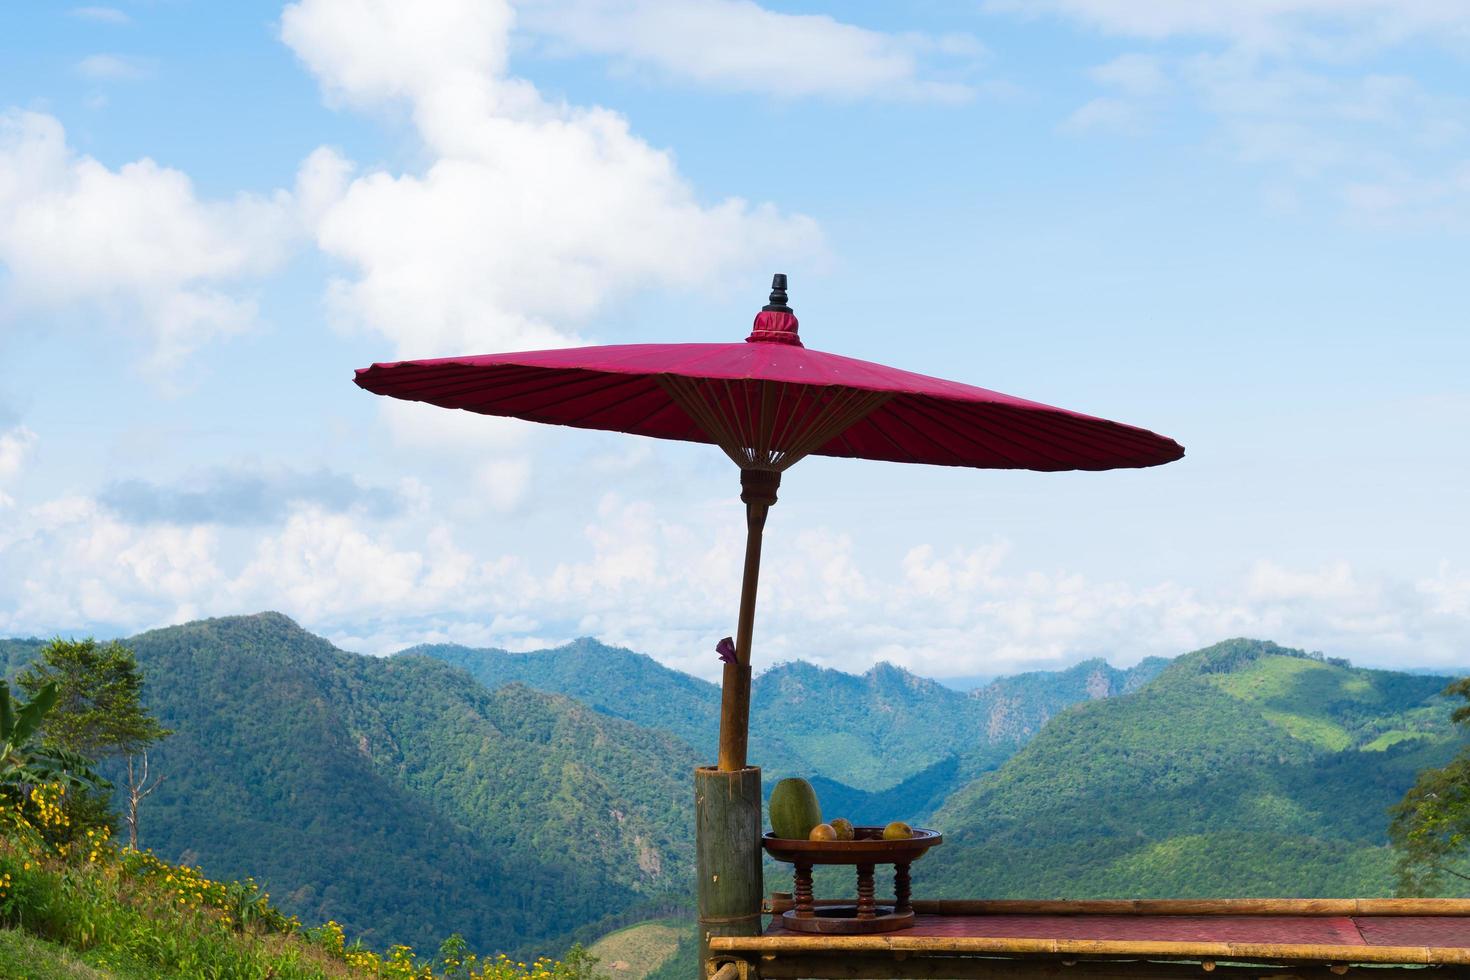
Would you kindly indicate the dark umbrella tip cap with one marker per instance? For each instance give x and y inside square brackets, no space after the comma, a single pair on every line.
[778,294]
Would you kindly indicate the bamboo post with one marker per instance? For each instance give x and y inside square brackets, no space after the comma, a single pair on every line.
[727,815]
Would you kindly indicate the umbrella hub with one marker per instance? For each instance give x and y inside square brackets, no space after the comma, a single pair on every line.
[759,486]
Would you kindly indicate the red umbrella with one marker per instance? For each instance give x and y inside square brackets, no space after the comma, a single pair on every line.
[767,403]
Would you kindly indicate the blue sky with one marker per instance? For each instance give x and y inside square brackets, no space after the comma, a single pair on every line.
[1241,225]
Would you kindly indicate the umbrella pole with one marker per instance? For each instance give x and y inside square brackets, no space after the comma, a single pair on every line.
[727,798]
[758,490]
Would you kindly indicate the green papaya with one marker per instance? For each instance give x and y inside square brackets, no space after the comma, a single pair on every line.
[794,809]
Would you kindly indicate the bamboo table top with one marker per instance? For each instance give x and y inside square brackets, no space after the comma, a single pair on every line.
[1388,932]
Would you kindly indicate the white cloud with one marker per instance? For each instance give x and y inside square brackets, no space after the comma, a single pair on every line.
[504,483]
[102,15]
[114,68]
[1263,24]
[321,566]
[16,444]
[1134,74]
[71,561]
[135,244]
[670,587]
[1271,583]
[1298,89]
[530,216]
[1103,114]
[738,45]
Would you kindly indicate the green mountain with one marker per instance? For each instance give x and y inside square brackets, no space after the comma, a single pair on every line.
[524,798]
[613,680]
[860,733]
[15,653]
[1242,769]
[400,797]
[1011,710]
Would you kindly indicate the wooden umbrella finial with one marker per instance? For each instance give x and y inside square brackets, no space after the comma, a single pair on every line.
[777,303]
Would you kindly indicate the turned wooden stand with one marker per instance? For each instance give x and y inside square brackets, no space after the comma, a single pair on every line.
[865,851]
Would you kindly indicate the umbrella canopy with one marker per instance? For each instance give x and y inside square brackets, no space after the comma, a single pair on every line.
[768,402]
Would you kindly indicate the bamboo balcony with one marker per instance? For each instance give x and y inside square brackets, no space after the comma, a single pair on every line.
[1112,940]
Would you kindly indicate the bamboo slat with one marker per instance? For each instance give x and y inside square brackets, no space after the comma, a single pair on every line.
[1176,906]
[981,968]
[1149,949]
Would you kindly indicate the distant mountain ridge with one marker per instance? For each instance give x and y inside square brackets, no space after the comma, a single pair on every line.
[867,731]
[1245,768]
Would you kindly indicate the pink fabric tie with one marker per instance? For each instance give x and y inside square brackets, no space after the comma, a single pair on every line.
[774,328]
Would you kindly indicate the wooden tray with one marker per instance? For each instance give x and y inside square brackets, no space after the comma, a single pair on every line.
[866,847]
[866,850]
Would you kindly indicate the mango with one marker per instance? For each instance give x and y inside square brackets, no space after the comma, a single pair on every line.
[898,830]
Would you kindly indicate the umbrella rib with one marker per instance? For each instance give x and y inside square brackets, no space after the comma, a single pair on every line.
[686,394]
[728,418]
[859,403]
[863,405]
[810,438]
[1011,462]
[660,404]
[769,394]
[747,438]
[1000,432]
[1049,444]
[1087,427]
[782,438]
[1057,435]
[820,412]
[901,455]
[477,383]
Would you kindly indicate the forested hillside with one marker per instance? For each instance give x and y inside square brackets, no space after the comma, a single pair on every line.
[406,799]
[399,796]
[867,731]
[1243,769]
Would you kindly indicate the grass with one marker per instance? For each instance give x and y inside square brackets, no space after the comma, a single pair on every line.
[1321,732]
[1391,738]
[637,951]
[74,905]
[23,955]
[1310,700]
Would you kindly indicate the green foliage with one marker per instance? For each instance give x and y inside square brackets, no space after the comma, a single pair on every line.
[402,799]
[103,912]
[645,948]
[867,732]
[683,962]
[23,955]
[24,761]
[1431,824]
[1194,786]
[914,800]
[99,709]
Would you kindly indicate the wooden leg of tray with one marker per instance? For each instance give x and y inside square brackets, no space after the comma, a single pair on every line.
[803,893]
[866,907]
[901,889]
